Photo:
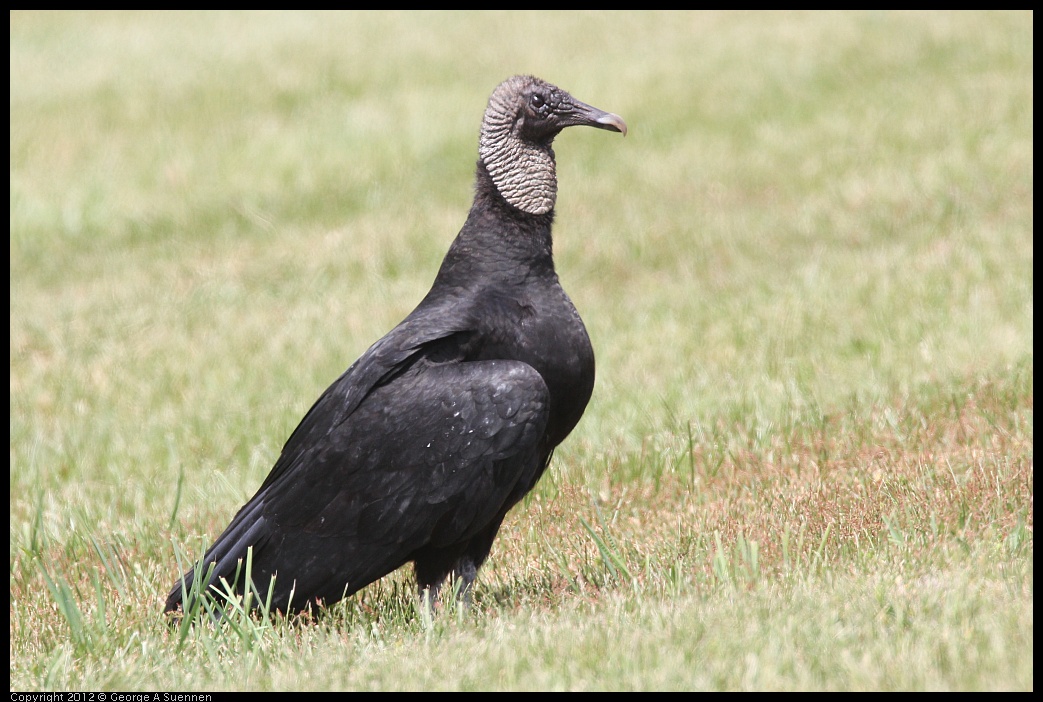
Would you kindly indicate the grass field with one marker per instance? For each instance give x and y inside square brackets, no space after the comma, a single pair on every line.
[807,273]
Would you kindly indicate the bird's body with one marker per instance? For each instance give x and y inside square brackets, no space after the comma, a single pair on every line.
[417,452]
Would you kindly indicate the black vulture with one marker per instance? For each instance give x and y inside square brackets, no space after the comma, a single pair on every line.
[417,452]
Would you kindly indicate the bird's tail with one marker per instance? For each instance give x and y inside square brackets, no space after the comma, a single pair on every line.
[225,567]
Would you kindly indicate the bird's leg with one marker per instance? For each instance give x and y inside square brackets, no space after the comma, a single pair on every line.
[429,602]
[461,580]
[429,595]
[464,573]
[430,574]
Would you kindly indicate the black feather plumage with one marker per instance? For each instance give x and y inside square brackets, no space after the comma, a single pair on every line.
[417,452]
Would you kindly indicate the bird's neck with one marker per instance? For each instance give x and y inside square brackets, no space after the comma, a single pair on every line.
[523,173]
[499,241]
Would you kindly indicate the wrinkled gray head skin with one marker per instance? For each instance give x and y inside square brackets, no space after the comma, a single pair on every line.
[523,117]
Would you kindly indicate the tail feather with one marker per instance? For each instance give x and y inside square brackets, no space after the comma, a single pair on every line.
[248,529]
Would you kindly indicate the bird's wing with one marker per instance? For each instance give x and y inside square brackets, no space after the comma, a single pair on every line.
[382,361]
[437,435]
[385,359]
[427,457]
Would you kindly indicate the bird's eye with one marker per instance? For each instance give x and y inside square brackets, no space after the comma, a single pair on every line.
[537,101]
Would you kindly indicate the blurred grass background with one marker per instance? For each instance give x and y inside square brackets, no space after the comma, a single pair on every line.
[817,235]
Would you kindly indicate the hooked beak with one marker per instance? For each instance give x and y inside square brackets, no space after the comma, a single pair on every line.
[583,114]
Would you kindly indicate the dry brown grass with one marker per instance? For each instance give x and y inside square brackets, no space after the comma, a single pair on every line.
[903,481]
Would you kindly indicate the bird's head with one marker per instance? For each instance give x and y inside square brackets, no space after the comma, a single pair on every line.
[524,115]
[538,111]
